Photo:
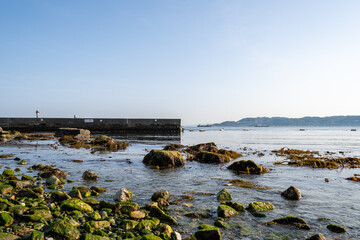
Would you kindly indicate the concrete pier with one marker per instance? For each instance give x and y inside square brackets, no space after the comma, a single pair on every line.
[93,124]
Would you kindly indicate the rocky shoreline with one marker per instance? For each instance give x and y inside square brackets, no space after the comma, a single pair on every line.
[35,207]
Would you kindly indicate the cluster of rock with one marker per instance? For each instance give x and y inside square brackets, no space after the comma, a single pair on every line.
[28,212]
[172,156]
[80,138]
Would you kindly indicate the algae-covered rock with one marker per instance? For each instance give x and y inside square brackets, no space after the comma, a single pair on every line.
[88,236]
[127,207]
[8,172]
[5,189]
[6,219]
[28,193]
[236,205]
[27,177]
[75,193]
[37,215]
[246,166]
[208,232]
[128,224]
[146,224]
[36,235]
[219,222]
[53,180]
[150,237]
[18,210]
[211,158]
[99,224]
[59,196]
[76,204]
[164,159]
[224,195]
[8,236]
[123,195]
[336,228]
[165,229]
[92,202]
[317,237]
[292,193]
[98,189]
[225,211]
[260,206]
[89,176]
[160,214]
[292,221]
[161,194]
[64,229]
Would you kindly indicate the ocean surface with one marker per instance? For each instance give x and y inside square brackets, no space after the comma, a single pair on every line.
[338,200]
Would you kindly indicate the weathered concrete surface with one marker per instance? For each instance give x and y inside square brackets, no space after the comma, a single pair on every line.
[92,124]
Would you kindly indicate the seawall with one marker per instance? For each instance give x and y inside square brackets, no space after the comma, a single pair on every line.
[93,124]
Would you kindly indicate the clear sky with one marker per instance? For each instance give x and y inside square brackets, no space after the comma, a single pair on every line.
[202,61]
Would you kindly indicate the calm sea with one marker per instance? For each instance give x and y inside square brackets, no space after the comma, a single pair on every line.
[337,200]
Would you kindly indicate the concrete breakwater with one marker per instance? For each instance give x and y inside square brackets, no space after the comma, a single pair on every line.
[93,124]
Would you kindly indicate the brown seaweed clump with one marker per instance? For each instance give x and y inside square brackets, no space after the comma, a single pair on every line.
[354,178]
[314,159]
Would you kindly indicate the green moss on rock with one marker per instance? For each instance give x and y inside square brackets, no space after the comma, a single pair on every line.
[336,228]
[76,204]
[6,219]
[260,206]
[64,229]
[225,211]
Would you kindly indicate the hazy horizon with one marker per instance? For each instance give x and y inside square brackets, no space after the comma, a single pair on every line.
[201,61]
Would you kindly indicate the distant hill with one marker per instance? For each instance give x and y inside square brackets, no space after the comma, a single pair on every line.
[283,121]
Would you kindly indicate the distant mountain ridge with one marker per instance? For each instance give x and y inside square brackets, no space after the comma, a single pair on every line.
[283,121]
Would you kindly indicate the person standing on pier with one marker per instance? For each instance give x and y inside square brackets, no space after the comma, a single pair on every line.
[37,113]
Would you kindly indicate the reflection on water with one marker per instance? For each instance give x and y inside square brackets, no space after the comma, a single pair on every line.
[337,199]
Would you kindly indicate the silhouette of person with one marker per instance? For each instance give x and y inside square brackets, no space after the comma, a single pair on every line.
[37,113]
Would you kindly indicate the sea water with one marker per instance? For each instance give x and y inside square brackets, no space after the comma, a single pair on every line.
[337,200]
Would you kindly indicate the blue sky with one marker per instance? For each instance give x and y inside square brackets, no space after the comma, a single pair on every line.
[201,61]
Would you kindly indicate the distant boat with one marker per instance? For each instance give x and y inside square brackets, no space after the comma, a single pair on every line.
[260,125]
[301,129]
[221,130]
[354,130]
[202,130]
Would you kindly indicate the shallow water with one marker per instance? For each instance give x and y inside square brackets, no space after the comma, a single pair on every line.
[337,199]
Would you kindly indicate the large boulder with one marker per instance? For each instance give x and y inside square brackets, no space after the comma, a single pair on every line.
[292,193]
[164,159]
[210,157]
[246,166]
